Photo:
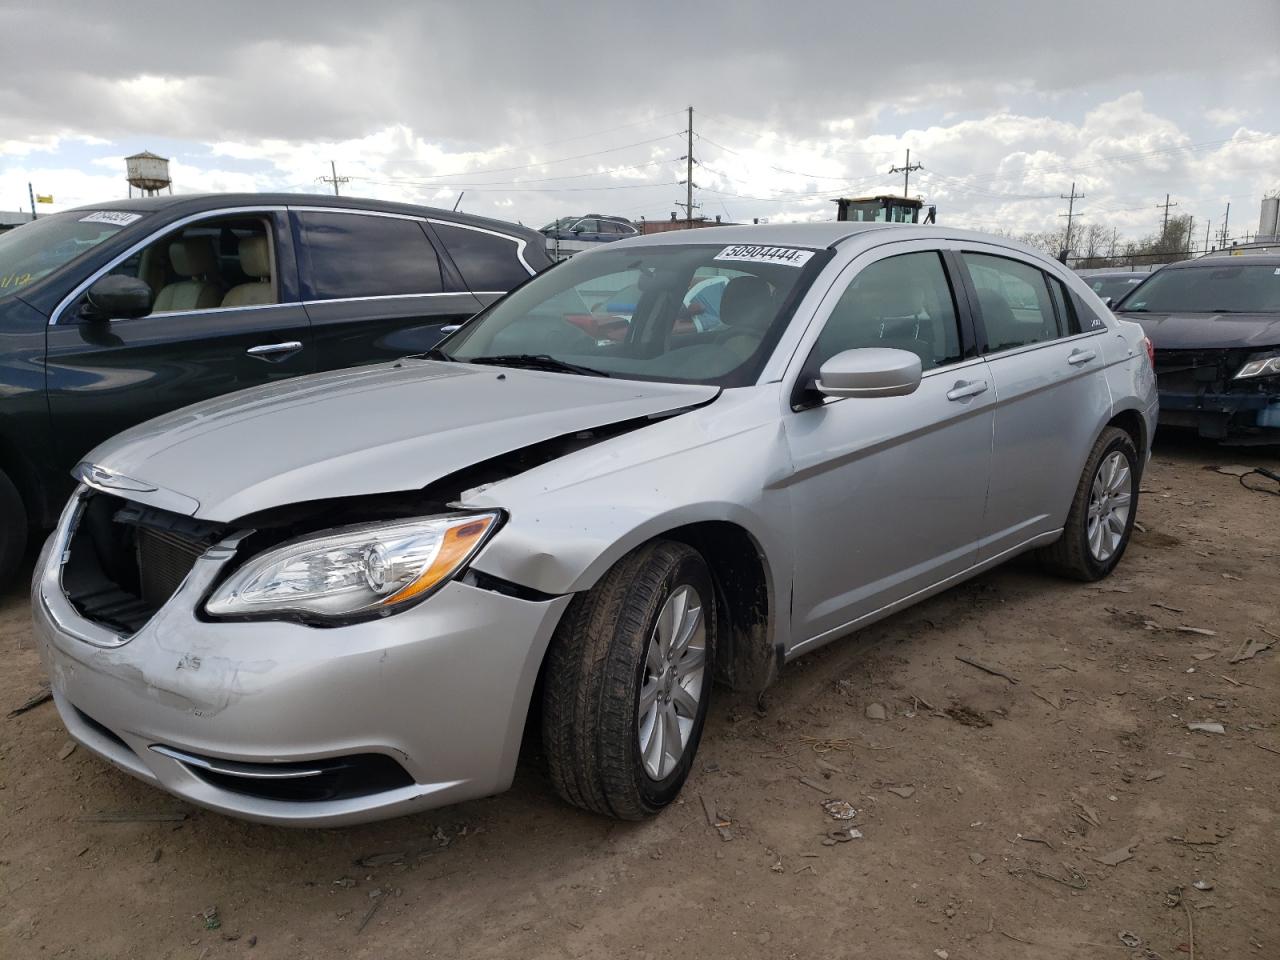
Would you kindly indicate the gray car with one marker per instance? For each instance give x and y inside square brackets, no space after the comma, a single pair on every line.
[342,597]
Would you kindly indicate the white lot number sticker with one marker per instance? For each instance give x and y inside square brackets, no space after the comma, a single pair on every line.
[757,253]
[117,217]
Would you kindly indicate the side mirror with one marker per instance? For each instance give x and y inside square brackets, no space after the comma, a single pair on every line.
[1106,301]
[870,372]
[117,297]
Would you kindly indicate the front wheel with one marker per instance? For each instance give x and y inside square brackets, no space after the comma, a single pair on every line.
[1100,521]
[628,681]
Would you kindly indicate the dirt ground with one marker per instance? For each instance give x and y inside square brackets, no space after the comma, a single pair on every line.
[1041,818]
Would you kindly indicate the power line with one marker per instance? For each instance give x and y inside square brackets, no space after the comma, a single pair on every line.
[1070,214]
[334,179]
[906,172]
[688,177]
[544,163]
[424,181]
[1164,229]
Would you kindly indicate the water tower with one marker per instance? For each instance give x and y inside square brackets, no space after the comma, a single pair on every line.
[147,172]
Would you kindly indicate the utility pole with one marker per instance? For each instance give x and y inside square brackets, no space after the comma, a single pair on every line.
[1226,219]
[1191,225]
[334,180]
[1207,224]
[905,170]
[32,194]
[688,179]
[1070,215]
[1164,231]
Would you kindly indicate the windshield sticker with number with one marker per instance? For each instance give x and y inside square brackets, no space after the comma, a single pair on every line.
[758,253]
[117,217]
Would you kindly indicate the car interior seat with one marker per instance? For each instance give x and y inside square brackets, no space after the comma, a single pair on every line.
[747,309]
[255,261]
[193,258]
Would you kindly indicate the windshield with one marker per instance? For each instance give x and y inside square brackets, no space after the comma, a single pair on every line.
[693,313]
[1234,288]
[1114,287]
[36,249]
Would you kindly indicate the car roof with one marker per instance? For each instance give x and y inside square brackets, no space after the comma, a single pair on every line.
[181,203]
[819,235]
[1251,259]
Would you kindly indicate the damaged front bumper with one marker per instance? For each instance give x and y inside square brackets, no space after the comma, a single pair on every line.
[288,724]
[1223,416]
[1199,390]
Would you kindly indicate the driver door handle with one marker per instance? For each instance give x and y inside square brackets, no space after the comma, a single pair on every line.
[965,389]
[273,352]
[1081,356]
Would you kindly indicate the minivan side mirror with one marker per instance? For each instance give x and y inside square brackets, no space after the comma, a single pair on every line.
[1107,301]
[870,372]
[116,297]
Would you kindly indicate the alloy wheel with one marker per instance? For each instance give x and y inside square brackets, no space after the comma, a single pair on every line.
[671,688]
[1110,499]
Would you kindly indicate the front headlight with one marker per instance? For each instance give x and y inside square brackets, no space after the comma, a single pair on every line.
[361,570]
[1264,365]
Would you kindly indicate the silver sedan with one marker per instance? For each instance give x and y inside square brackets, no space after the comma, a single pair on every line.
[336,599]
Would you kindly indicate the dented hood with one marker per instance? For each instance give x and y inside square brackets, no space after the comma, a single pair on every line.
[377,429]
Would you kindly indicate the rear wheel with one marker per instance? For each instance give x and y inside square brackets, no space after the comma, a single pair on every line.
[13,528]
[628,681]
[1100,521]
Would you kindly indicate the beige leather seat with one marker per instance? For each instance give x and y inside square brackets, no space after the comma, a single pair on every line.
[193,258]
[255,261]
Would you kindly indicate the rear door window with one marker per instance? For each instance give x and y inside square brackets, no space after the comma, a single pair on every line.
[488,262]
[355,255]
[1014,301]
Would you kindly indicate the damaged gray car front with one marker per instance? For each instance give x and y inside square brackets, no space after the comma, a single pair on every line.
[334,599]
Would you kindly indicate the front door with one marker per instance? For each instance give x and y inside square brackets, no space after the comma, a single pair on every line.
[888,493]
[225,317]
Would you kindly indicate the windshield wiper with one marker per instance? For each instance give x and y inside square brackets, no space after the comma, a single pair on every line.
[538,361]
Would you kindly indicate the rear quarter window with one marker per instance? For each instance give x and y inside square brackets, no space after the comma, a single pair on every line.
[488,262]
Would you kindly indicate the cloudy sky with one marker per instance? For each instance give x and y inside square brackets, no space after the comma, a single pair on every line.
[544,109]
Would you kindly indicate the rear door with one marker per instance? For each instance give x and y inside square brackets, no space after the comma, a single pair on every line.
[227,316]
[374,286]
[1051,393]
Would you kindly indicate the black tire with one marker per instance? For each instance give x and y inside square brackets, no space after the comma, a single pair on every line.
[13,529]
[1070,556]
[595,668]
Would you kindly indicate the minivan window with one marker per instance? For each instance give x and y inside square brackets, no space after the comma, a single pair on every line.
[488,262]
[36,249]
[355,255]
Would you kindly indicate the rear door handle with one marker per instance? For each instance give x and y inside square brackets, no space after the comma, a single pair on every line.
[1081,356]
[963,390]
[274,352]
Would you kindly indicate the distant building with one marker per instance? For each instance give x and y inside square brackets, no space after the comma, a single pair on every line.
[679,223]
[11,219]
